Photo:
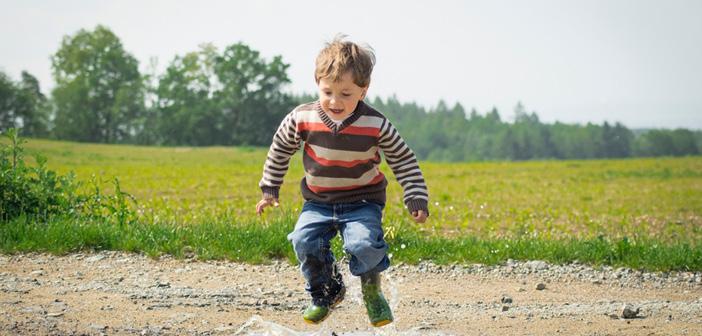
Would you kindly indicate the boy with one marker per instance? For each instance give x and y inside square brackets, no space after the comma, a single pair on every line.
[343,187]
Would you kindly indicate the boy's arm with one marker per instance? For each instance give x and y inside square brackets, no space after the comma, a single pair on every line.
[286,142]
[404,165]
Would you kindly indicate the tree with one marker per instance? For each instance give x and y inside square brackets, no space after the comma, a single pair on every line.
[616,141]
[22,105]
[250,100]
[494,115]
[8,96]
[98,93]
[655,143]
[232,98]
[185,112]
[34,106]
[684,142]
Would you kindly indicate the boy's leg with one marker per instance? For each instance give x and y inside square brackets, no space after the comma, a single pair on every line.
[363,240]
[310,238]
[361,229]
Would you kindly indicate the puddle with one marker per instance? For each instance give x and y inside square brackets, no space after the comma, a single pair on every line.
[257,326]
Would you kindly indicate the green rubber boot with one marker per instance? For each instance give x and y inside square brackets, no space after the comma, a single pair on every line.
[315,314]
[377,307]
[320,309]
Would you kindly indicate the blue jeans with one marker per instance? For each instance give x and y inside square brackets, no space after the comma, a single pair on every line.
[361,231]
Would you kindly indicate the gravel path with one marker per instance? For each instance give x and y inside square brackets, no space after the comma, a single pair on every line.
[129,294]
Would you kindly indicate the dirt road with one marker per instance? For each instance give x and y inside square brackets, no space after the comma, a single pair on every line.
[128,294]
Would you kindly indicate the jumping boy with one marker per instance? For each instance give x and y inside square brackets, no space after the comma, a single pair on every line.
[343,187]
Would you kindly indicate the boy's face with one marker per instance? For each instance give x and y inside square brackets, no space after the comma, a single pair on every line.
[339,99]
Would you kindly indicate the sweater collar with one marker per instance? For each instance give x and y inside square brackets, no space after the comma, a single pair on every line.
[337,128]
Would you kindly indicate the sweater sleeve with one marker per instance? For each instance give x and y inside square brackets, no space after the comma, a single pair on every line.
[286,142]
[404,165]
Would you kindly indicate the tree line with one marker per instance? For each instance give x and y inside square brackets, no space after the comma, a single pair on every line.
[235,97]
[453,134]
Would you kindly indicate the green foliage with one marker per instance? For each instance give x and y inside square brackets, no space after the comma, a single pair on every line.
[228,98]
[184,113]
[33,191]
[99,90]
[22,105]
[36,192]
[207,97]
[451,134]
[7,96]
[251,97]
[116,207]
[677,142]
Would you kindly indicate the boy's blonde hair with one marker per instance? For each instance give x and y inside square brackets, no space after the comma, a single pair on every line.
[340,56]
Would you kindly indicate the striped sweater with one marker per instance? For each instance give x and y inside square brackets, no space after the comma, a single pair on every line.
[341,160]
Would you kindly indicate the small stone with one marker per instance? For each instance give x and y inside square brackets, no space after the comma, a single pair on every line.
[505,308]
[536,265]
[159,306]
[97,327]
[540,286]
[506,299]
[95,258]
[628,311]
[225,329]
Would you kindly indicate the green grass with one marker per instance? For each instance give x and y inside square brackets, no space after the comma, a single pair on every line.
[642,213]
[255,242]
[251,242]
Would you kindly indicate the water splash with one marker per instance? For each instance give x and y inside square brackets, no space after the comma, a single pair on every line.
[353,287]
[257,326]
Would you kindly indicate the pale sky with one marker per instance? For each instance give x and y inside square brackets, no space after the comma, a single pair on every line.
[637,62]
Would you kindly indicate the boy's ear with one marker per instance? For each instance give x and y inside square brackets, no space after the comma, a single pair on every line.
[363,93]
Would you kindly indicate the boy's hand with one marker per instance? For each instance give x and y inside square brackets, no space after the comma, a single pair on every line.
[419,216]
[265,203]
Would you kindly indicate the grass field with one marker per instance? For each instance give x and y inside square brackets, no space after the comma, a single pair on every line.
[649,202]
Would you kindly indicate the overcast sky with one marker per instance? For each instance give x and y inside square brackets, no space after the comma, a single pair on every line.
[637,62]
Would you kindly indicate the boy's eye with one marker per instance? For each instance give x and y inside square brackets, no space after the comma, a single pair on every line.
[346,94]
